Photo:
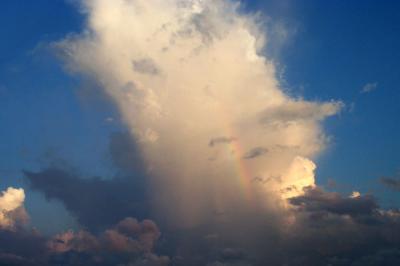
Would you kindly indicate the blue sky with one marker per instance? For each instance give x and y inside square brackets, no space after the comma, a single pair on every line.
[332,51]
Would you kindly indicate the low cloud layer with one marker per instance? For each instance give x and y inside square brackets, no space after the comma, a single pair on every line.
[320,228]
[330,229]
[129,242]
[316,227]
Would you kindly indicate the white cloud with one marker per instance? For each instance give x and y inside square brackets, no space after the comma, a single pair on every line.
[369,87]
[11,207]
[355,194]
[185,73]
[299,175]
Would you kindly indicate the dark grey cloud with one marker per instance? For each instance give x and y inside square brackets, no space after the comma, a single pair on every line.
[22,247]
[220,140]
[255,152]
[98,202]
[392,183]
[146,66]
[204,26]
[95,202]
[260,180]
[317,200]
[124,153]
[129,242]
[201,25]
[334,230]
[8,259]
[389,257]
[239,236]
[325,228]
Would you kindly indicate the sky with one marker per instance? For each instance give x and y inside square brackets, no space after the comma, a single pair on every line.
[199,132]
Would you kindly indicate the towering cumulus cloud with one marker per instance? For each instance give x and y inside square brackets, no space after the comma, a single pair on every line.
[12,210]
[215,128]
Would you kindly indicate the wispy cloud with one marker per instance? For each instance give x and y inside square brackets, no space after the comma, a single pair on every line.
[391,182]
[369,87]
[255,152]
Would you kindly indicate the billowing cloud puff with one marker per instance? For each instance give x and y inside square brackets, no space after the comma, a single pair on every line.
[129,242]
[128,236]
[299,175]
[201,102]
[12,211]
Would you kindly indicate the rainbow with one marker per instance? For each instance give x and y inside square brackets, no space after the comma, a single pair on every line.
[243,173]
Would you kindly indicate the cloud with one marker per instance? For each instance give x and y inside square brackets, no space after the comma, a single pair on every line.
[125,154]
[255,152]
[129,242]
[22,247]
[390,256]
[220,140]
[120,195]
[369,87]
[299,175]
[306,232]
[145,66]
[317,200]
[182,73]
[214,82]
[323,221]
[320,228]
[393,183]
[355,194]
[299,112]
[12,211]
[81,196]
[128,236]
